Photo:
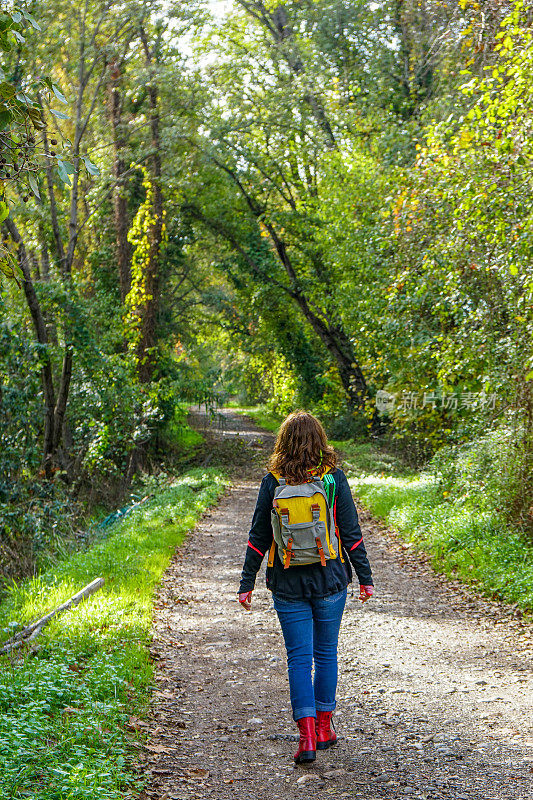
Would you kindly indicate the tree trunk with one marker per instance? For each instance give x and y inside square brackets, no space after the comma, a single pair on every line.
[120,201]
[148,332]
[42,337]
[62,395]
[45,259]
[54,216]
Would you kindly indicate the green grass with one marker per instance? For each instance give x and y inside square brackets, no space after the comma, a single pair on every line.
[261,416]
[465,539]
[367,457]
[179,436]
[64,710]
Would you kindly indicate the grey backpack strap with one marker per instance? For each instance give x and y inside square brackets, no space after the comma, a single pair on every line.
[284,516]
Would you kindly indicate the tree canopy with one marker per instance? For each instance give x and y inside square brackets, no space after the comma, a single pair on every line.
[313,202]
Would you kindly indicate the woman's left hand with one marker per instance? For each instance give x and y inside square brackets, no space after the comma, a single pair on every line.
[365,592]
[245,599]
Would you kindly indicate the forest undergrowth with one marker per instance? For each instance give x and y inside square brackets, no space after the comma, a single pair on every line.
[72,708]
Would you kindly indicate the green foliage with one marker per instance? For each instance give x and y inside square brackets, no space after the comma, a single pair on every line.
[177,441]
[64,711]
[256,379]
[369,457]
[487,473]
[22,160]
[110,416]
[461,528]
[142,281]
[32,516]
[19,405]
[280,386]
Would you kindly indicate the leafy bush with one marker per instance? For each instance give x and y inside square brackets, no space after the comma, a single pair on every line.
[284,394]
[459,526]
[485,474]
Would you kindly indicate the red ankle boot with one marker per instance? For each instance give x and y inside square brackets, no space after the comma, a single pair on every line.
[325,736]
[307,750]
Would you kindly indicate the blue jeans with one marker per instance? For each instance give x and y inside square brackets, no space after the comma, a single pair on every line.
[311,632]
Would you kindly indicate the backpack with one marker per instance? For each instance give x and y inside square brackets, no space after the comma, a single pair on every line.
[303,522]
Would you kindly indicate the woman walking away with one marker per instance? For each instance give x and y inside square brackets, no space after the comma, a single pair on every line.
[306,520]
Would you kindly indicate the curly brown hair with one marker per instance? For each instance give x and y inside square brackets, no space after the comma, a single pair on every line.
[301,445]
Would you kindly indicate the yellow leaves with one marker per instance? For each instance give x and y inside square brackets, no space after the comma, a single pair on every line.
[140,236]
[400,200]
[465,138]
[404,209]
[397,210]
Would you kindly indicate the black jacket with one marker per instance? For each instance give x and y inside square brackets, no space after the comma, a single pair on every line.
[310,580]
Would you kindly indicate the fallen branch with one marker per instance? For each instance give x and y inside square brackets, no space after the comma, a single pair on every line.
[33,630]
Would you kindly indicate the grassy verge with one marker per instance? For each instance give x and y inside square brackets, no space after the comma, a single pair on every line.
[366,457]
[178,441]
[260,415]
[465,538]
[64,710]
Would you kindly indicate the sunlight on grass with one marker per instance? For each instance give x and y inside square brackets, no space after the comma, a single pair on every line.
[63,711]
[464,540]
[261,416]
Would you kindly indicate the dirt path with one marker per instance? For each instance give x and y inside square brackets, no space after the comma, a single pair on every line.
[435,697]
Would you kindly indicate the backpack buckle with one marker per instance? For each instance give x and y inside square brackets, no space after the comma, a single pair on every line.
[321,551]
[288,554]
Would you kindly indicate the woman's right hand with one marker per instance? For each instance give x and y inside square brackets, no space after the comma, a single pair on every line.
[365,592]
[245,599]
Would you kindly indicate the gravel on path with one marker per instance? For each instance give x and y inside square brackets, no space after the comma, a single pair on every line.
[435,694]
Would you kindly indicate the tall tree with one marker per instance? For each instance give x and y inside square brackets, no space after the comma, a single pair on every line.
[271,147]
[147,232]
[120,196]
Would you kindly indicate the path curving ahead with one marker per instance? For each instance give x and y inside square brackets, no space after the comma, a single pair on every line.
[436,686]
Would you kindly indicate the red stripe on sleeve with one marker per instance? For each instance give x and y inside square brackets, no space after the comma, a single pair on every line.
[357,543]
[256,550]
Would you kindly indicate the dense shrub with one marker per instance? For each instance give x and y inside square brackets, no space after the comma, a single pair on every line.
[491,472]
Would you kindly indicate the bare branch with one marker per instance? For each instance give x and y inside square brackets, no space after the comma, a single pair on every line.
[93,102]
[220,230]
